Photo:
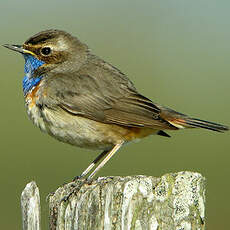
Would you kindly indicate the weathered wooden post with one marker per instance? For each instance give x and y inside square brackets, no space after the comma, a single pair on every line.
[173,201]
[30,204]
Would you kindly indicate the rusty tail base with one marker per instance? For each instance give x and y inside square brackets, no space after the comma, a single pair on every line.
[188,122]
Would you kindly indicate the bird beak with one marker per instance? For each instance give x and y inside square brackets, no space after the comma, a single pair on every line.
[18,48]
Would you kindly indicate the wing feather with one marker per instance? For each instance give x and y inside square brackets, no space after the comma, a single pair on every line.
[107,98]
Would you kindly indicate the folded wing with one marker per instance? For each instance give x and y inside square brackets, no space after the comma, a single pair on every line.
[105,101]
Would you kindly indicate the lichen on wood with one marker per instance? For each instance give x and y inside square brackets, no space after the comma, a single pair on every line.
[173,201]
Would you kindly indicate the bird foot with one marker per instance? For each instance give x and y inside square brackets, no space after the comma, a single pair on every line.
[76,188]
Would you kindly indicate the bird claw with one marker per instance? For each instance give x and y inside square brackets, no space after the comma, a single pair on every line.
[76,178]
[75,189]
[66,198]
[89,181]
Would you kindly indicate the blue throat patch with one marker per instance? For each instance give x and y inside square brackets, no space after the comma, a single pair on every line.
[31,64]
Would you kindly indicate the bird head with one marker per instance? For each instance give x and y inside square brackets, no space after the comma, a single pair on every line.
[51,50]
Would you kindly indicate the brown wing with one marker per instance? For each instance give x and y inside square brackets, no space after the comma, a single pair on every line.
[106,101]
[137,111]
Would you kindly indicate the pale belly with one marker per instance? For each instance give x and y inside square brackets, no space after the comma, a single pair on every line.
[75,130]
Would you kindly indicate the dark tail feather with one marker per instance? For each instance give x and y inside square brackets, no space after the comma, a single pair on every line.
[162,133]
[188,122]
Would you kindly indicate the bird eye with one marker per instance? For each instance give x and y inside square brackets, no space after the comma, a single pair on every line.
[45,51]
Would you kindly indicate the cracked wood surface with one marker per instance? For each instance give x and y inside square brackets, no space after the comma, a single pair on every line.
[30,205]
[173,201]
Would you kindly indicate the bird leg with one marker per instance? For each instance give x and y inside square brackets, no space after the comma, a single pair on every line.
[89,168]
[107,158]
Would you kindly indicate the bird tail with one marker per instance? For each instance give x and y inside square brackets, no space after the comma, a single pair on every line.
[188,122]
[181,121]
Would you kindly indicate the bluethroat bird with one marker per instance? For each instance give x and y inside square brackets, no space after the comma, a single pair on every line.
[78,98]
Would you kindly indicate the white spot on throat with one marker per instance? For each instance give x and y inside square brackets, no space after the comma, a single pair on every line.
[29,75]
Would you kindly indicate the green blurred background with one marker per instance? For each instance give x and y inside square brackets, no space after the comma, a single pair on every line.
[176,52]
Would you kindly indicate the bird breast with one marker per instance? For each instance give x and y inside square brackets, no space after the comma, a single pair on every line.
[33,110]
